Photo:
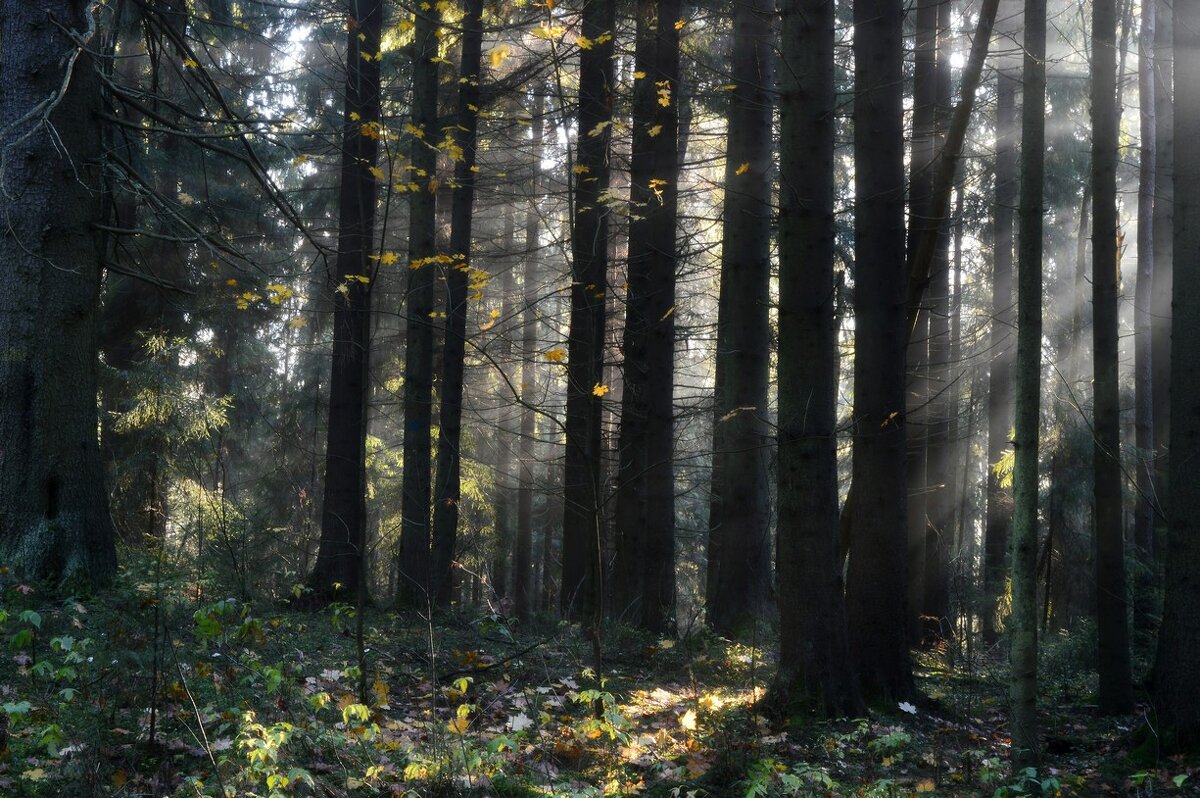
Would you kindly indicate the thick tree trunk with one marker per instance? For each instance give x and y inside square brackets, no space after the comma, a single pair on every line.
[877,579]
[1023,639]
[341,556]
[813,637]
[414,583]
[54,520]
[1112,662]
[579,591]
[739,543]
[1175,686]
[458,276]
[646,477]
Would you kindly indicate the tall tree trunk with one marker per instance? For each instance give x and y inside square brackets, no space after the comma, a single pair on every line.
[1176,688]
[646,478]
[920,198]
[1112,660]
[814,647]
[458,276]
[504,483]
[54,520]
[523,585]
[579,591]
[1143,517]
[939,500]
[1023,640]
[414,581]
[738,588]
[341,554]
[1164,209]
[877,578]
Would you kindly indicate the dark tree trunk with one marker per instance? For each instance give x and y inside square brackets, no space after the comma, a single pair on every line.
[1176,688]
[1112,661]
[523,567]
[814,650]
[579,591]
[877,579]
[54,520]
[920,198]
[504,483]
[341,555]
[1023,642]
[1143,517]
[414,581]
[458,276]
[940,499]
[738,583]
[646,477]
[1164,209]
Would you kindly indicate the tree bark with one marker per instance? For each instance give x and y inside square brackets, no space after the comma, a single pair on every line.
[814,648]
[1023,639]
[414,581]
[579,590]
[645,510]
[1164,208]
[877,578]
[1176,689]
[738,586]
[1143,531]
[458,277]
[1112,656]
[54,520]
[341,554]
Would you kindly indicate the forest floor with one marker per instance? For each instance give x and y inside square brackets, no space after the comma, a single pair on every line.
[225,700]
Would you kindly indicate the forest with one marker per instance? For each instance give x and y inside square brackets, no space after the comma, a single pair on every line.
[675,398]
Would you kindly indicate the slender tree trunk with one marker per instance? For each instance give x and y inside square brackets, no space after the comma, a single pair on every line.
[459,276]
[739,543]
[920,199]
[523,587]
[504,482]
[1143,533]
[414,584]
[877,578]
[1112,662]
[1000,410]
[54,520]
[1175,686]
[1164,208]
[341,554]
[1023,640]
[814,647]
[579,591]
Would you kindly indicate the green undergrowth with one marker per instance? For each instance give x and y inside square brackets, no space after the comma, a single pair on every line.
[165,687]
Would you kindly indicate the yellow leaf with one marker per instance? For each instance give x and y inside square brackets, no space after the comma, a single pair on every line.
[600,390]
[556,355]
[35,774]
[688,720]
[926,785]
[190,63]
[679,23]
[584,42]
[670,312]
[297,322]
[599,128]
[727,87]
[743,169]
[458,725]
[387,258]
[580,169]
[376,172]
[231,282]
[639,75]
[654,131]
[299,159]
[498,55]
[354,116]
